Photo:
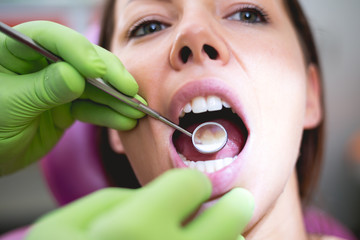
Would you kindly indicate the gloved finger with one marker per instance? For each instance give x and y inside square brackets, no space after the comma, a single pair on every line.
[73,220]
[101,115]
[178,193]
[228,217]
[6,71]
[116,73]
[158,208]
[64,42]
[37,92]
[99,96]
[19,65]
[62,116]
[83,211]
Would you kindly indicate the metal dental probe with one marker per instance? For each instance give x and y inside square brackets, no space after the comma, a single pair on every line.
[101,84]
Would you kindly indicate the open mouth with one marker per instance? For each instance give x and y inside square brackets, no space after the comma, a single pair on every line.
[204,109]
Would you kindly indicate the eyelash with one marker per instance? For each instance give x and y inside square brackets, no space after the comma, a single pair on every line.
[261,17]
[143,23]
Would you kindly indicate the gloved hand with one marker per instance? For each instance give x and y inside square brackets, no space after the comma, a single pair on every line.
[156,211]
[37,99]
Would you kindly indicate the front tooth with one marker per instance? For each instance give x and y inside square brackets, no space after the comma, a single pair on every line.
[210,166]
[213,103]
[200,165]
[219,164]
[187,108]
[182,157]
[199,105]
[192,164]
[225,104]
[182,114]
[228,161]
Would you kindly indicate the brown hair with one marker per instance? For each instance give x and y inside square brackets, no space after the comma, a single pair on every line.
[312,146]
[310,159]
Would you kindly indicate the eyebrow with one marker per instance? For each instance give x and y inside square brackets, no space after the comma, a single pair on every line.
[129,1]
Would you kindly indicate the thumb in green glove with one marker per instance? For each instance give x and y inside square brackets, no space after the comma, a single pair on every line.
[39,101]
[156,211]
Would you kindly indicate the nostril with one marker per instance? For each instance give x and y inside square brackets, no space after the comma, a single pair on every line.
[211,52]
[185,53]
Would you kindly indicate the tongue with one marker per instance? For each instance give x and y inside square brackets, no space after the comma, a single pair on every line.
[235,143]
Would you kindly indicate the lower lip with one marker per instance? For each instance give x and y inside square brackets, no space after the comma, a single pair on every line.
[222,180]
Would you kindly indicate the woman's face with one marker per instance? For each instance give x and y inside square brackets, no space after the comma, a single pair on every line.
[206,53]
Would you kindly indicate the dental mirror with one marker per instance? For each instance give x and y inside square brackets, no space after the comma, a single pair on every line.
[207,138]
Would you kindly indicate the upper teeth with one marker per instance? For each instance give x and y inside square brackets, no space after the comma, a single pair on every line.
[204,104]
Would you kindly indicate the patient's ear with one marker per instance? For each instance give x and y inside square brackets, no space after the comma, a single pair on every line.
[314,111]
[115,141]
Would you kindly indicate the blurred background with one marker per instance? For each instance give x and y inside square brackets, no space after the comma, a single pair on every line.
[24,195]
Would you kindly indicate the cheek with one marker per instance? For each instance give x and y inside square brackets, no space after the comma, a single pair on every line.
[148,65]
[278,139]
[145,147]
[277,73]
[282,89]
[276,69]
[147,153]
[281,95]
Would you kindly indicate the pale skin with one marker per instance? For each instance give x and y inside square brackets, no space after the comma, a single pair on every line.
[259,69]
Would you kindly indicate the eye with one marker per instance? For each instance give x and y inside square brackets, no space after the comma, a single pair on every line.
[249,15]
[146,27]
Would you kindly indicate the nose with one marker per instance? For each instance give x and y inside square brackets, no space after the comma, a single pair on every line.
[196,44]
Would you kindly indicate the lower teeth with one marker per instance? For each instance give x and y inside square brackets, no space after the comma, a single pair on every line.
[208,166]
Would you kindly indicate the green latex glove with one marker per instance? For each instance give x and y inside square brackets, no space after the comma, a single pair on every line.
[155,211]
[37,99]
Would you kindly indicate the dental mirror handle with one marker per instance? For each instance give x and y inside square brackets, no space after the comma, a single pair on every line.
[133,102]
[97,82]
